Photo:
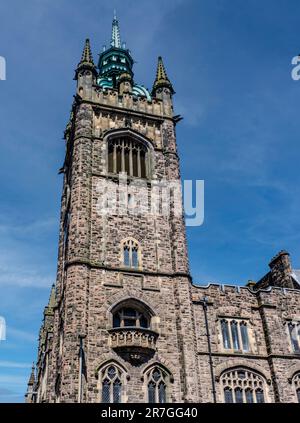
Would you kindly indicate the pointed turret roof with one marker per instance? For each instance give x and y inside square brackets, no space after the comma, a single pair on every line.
[162,79]
[87,54]
[86,61]
[52,298]
[31,380]
[52,302]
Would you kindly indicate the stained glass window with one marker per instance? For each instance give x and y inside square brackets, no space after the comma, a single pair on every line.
[111,384]
[260,396]
[249,396]
[157,386]
[106,391]
[228,395]
[238,395]
[131,254]
[242,385]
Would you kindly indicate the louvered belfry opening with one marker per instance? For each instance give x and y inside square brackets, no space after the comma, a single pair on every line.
[128,155]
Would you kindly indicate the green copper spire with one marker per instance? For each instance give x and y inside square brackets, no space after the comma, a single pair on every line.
[115,65]
[116,60]
[115,34]
[162,79]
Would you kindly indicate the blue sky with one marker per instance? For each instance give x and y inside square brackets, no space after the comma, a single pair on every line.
[230,63]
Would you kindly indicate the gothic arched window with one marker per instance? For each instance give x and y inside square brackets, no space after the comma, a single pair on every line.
[157,386]
[131,253]
[128,155]
[296,383]
[111,384]
[243,386]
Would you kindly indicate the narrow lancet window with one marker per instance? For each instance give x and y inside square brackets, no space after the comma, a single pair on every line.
[131,254]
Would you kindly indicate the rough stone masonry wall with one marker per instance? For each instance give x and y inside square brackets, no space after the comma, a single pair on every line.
[94,279]
[270,353]
[88,290]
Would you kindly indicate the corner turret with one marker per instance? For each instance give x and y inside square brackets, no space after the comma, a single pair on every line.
[30,394]
[86,72]
[162,87]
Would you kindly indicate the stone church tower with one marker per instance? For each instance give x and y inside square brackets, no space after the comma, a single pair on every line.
[124,322]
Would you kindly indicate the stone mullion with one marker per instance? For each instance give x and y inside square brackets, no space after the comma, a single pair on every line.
[239,335]
[115,158]
[230,334]
[147,164]
[111,390]
[244,394]
[253,390]
[130,161]
[130,254]
[123,156]
[139,162]
[156,393]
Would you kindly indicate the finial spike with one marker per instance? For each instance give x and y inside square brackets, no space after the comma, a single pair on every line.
[115,34]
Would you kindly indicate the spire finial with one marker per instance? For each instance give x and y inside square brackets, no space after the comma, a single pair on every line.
[115,34]
[162,79]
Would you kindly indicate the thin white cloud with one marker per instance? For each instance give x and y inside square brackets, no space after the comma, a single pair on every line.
[37,227]
[18,263]
[20,334]
[14,364]
[23,278]
[12,380]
